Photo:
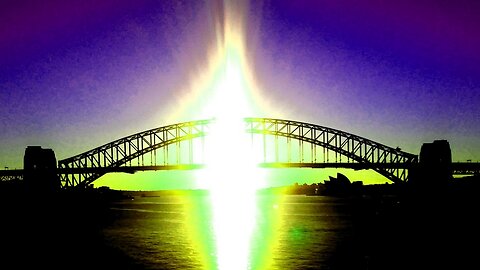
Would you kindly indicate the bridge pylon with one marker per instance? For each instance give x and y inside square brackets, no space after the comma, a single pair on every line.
[435,165]
[40,170]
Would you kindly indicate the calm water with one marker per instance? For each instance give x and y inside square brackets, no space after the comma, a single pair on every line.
[278,232]
[229,231]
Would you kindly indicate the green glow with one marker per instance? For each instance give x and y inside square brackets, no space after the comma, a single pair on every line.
[265,236]
[199,222]
[174,180]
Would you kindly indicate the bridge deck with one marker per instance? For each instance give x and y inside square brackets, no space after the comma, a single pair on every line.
[458,168]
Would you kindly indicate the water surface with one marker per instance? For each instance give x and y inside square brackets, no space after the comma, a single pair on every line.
[289,232]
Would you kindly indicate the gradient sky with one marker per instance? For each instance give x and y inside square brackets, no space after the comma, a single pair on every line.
[77,74]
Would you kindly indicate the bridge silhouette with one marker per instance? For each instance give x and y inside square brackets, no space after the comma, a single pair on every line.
[283,144]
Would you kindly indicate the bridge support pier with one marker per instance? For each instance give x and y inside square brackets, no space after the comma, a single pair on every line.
[435,166]
[40,170]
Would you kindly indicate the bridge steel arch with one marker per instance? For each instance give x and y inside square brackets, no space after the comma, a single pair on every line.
[122,151]
[353,147]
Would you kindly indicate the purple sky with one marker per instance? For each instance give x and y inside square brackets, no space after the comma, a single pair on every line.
[78,74]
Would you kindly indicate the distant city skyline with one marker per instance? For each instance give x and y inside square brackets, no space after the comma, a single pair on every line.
[75,75]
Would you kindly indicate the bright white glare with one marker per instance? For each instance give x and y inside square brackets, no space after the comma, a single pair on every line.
[231,172]
[229,155]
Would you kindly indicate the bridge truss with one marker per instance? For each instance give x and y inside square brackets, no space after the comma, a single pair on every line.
[154,147]
[298,144]
[322,145]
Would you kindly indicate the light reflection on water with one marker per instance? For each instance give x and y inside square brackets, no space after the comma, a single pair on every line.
[182,231]
[233,222]
[232,183]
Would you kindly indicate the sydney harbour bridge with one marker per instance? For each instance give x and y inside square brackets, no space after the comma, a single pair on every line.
[280,144]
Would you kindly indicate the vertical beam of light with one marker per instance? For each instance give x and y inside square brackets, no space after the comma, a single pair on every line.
[231,173]
[232,177]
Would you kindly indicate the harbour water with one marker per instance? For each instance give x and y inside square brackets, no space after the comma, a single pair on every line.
[188,231]
[290,232]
